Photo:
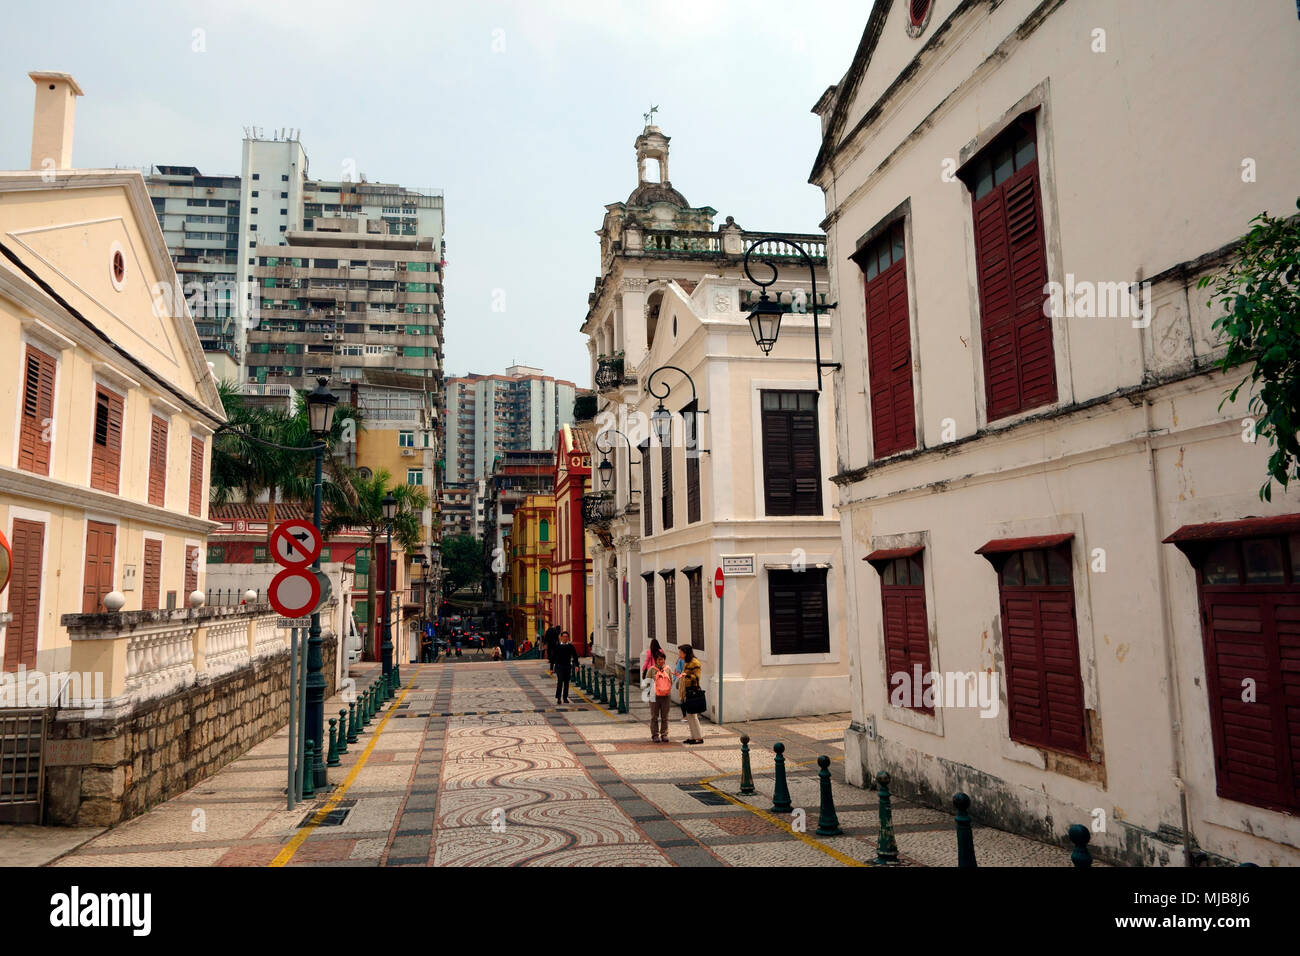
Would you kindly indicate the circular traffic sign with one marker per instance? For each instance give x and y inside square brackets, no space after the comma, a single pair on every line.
[6,561]
[295,543]
[294,592]
[717,582]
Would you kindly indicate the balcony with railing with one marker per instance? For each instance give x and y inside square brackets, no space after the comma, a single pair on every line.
[609,374]
[598,509]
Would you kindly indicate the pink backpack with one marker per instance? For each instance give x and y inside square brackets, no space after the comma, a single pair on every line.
[663,682]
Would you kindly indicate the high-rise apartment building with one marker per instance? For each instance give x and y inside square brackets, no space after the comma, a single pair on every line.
[488,415]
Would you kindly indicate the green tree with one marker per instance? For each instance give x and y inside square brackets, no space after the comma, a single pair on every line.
[462,562]
[1261,293]
[365,512]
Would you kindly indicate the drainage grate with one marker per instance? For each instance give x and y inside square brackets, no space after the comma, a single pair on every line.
[332,819]
[705,796]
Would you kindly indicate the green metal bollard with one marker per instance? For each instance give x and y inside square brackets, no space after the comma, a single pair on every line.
[600,693]
[365,708]
[622,699]
[828,824]
[332,757]
[352,722]
[584,678]
[965,836]
[343,732]
[886,847]
[1079,836]
[746,775]
[308,777]
[780,792]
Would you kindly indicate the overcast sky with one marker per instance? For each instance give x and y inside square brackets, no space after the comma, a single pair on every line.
[524,113]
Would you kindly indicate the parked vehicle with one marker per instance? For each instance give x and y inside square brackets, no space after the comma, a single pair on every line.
[351,642]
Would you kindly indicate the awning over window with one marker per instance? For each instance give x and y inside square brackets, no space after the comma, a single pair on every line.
[690,569]
[1006,545]
[883,556]
[1243,528]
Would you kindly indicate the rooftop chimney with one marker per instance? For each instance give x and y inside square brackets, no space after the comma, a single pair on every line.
[56,107]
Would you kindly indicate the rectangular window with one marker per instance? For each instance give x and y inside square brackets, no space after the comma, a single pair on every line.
[216,554]
[907,634]
[157,461]
[1011,268]
[792,481]
[650,631]
[797,610]
[1040,645]
[106,452]
[192,561]
[406,439]
[101,540]
[646,502]
[670,605]
[23,631]
[1250,608]
[260,555]
[692,484]
[889,343]
[37,412]
[196,476]
[695,584]
[666,467]
[152,586]
[415,476]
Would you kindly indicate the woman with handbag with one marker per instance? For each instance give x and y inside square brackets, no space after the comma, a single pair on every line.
[692,693]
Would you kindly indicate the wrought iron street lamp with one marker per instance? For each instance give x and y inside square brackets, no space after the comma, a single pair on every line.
[606,469]
[765,314]
[389,504]
[320,420]
[662,418]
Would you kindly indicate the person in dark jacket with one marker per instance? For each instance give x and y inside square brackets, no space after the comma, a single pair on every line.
[549,642]
[564,659]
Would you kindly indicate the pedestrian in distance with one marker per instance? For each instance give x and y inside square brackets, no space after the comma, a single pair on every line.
[564,660]
[690,678]
[652,654]
[661,679]
[550,640]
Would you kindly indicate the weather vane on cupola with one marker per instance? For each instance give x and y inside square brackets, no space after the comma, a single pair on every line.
[649,117]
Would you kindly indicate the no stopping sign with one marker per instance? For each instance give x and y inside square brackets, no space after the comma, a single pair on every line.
[297,592]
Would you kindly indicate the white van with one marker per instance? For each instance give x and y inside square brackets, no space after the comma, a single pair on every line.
[351,642]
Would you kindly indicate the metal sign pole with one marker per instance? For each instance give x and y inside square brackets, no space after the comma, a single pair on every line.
[303,769]
[292,789]
[722,621]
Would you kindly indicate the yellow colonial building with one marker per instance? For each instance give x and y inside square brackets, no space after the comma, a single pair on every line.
[107,406]
[531,549]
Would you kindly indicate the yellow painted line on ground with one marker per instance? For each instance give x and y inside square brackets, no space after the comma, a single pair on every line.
[292,847]
[595,704]
[777,821]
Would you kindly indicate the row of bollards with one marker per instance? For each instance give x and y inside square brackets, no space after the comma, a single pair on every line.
[602,688]
[828,823]
[349,725]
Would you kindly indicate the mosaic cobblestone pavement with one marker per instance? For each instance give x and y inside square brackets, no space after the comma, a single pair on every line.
[474,764]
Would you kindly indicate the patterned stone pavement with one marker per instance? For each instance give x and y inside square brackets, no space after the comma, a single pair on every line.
[475,765]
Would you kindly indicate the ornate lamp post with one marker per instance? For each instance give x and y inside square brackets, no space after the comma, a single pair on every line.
[765,315]
[389,505]
[662,419]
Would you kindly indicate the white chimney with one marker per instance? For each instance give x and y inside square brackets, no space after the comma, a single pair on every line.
[55,115]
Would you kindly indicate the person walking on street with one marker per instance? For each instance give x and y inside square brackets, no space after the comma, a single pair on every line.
[550,640]
[564,660]
[651,656]
[661,679]
[690,678]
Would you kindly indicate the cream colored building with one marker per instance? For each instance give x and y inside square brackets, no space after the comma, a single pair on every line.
[673,292]
[106,406]
[1039,484]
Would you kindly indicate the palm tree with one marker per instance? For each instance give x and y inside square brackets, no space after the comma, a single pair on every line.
[366,512]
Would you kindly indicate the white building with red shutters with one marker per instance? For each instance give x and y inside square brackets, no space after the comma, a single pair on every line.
[1041,484]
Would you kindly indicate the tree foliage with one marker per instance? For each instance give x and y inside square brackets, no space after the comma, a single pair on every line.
[1261,293]
[462,562]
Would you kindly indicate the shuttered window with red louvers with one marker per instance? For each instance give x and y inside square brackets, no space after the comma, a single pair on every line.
[692,486]
[1011,267]
[37,412]
[1041,650]
[889,343]
[1250,612]
[666,469]
[670,605]
[191,571]
[106,447]
[23,632]
[650,632]
[907,633]
[646,500]
[157,461]
[196,476]
[695,584]
[791,453]
[97,580]
[150,591]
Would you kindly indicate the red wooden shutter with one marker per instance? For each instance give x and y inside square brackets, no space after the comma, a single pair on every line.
[650,632]
[196,476]
[1254,632]
[889,354]
[106,450]
[666,466]
[1044,682]
[907,635]
[692,486]
[1011,266]
[100,541]
[192,572]
[806,460]
[149,594]
[22,633]
[158,461]
[695,581]
[646,500]
[37,410]
[778,466]
[670,606]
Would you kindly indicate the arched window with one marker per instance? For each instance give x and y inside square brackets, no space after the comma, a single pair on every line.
[543,579]
[545,531]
